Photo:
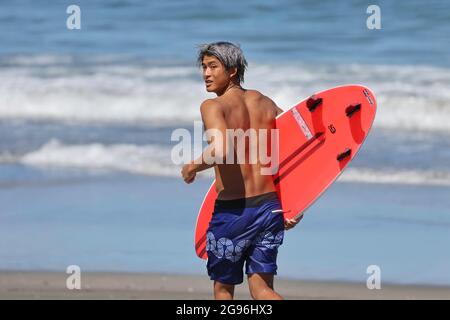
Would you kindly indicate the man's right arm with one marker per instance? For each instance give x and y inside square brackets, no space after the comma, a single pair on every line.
[288,223]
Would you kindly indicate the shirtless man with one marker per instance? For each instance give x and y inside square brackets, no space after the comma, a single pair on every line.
[246,214]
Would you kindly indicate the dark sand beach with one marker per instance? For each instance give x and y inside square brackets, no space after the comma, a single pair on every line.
[96,285]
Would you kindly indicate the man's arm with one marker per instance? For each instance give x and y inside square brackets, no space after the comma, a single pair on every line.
[214,121]
[288,223]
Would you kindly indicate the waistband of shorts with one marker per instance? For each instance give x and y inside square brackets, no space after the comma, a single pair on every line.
[249,202]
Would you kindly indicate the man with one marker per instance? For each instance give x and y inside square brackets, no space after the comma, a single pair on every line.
[247,221]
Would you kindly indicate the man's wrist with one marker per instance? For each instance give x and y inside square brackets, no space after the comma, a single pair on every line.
[192,167]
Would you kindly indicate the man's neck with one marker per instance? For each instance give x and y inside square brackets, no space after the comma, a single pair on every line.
[230,86]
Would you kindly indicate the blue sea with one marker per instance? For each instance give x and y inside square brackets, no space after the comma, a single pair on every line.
[86,118]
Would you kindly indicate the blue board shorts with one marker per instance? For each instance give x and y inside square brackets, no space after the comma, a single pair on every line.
[246,230]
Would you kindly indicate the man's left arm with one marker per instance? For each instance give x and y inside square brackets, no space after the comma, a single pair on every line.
[213,120]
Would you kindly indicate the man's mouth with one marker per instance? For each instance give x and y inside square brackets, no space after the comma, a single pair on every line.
[208,82]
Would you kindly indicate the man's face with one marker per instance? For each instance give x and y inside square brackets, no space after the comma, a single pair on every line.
[215,75]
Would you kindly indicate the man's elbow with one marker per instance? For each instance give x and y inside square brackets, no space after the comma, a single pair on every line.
[223,153]
[220,156]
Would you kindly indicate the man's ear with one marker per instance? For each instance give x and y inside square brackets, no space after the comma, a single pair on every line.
[232,72]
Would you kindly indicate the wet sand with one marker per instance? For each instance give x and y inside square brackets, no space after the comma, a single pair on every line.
[103,285]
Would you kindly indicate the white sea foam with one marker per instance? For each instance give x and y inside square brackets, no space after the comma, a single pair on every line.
[155,160]
[148,159]
[391,176]
[52,87]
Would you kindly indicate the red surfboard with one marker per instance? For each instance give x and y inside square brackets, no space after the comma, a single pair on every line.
[317,139]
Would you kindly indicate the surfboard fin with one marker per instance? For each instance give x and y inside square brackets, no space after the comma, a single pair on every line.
[351,109]
[344,154]
[313,102]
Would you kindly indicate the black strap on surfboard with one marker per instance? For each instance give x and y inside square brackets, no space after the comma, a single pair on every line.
[313,102]
[351,109]
[344,154]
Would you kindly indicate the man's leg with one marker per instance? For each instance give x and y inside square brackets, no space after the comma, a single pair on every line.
[261,287]
[223,291]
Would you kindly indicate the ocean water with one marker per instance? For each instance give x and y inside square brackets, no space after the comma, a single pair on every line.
[86,118]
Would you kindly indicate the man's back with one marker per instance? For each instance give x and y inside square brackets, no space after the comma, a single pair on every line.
[246,110]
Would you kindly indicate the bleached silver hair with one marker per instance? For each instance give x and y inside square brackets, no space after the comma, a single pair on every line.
[228,53]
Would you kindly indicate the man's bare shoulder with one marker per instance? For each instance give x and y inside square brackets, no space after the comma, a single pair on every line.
[263,100]
[253,94]
[213,102]
[258,99]
[211,108]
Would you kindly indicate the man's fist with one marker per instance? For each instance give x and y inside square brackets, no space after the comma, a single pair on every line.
[290,223]
[188,173]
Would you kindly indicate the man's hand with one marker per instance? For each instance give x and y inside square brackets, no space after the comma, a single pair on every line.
[291,223]
[188,173]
